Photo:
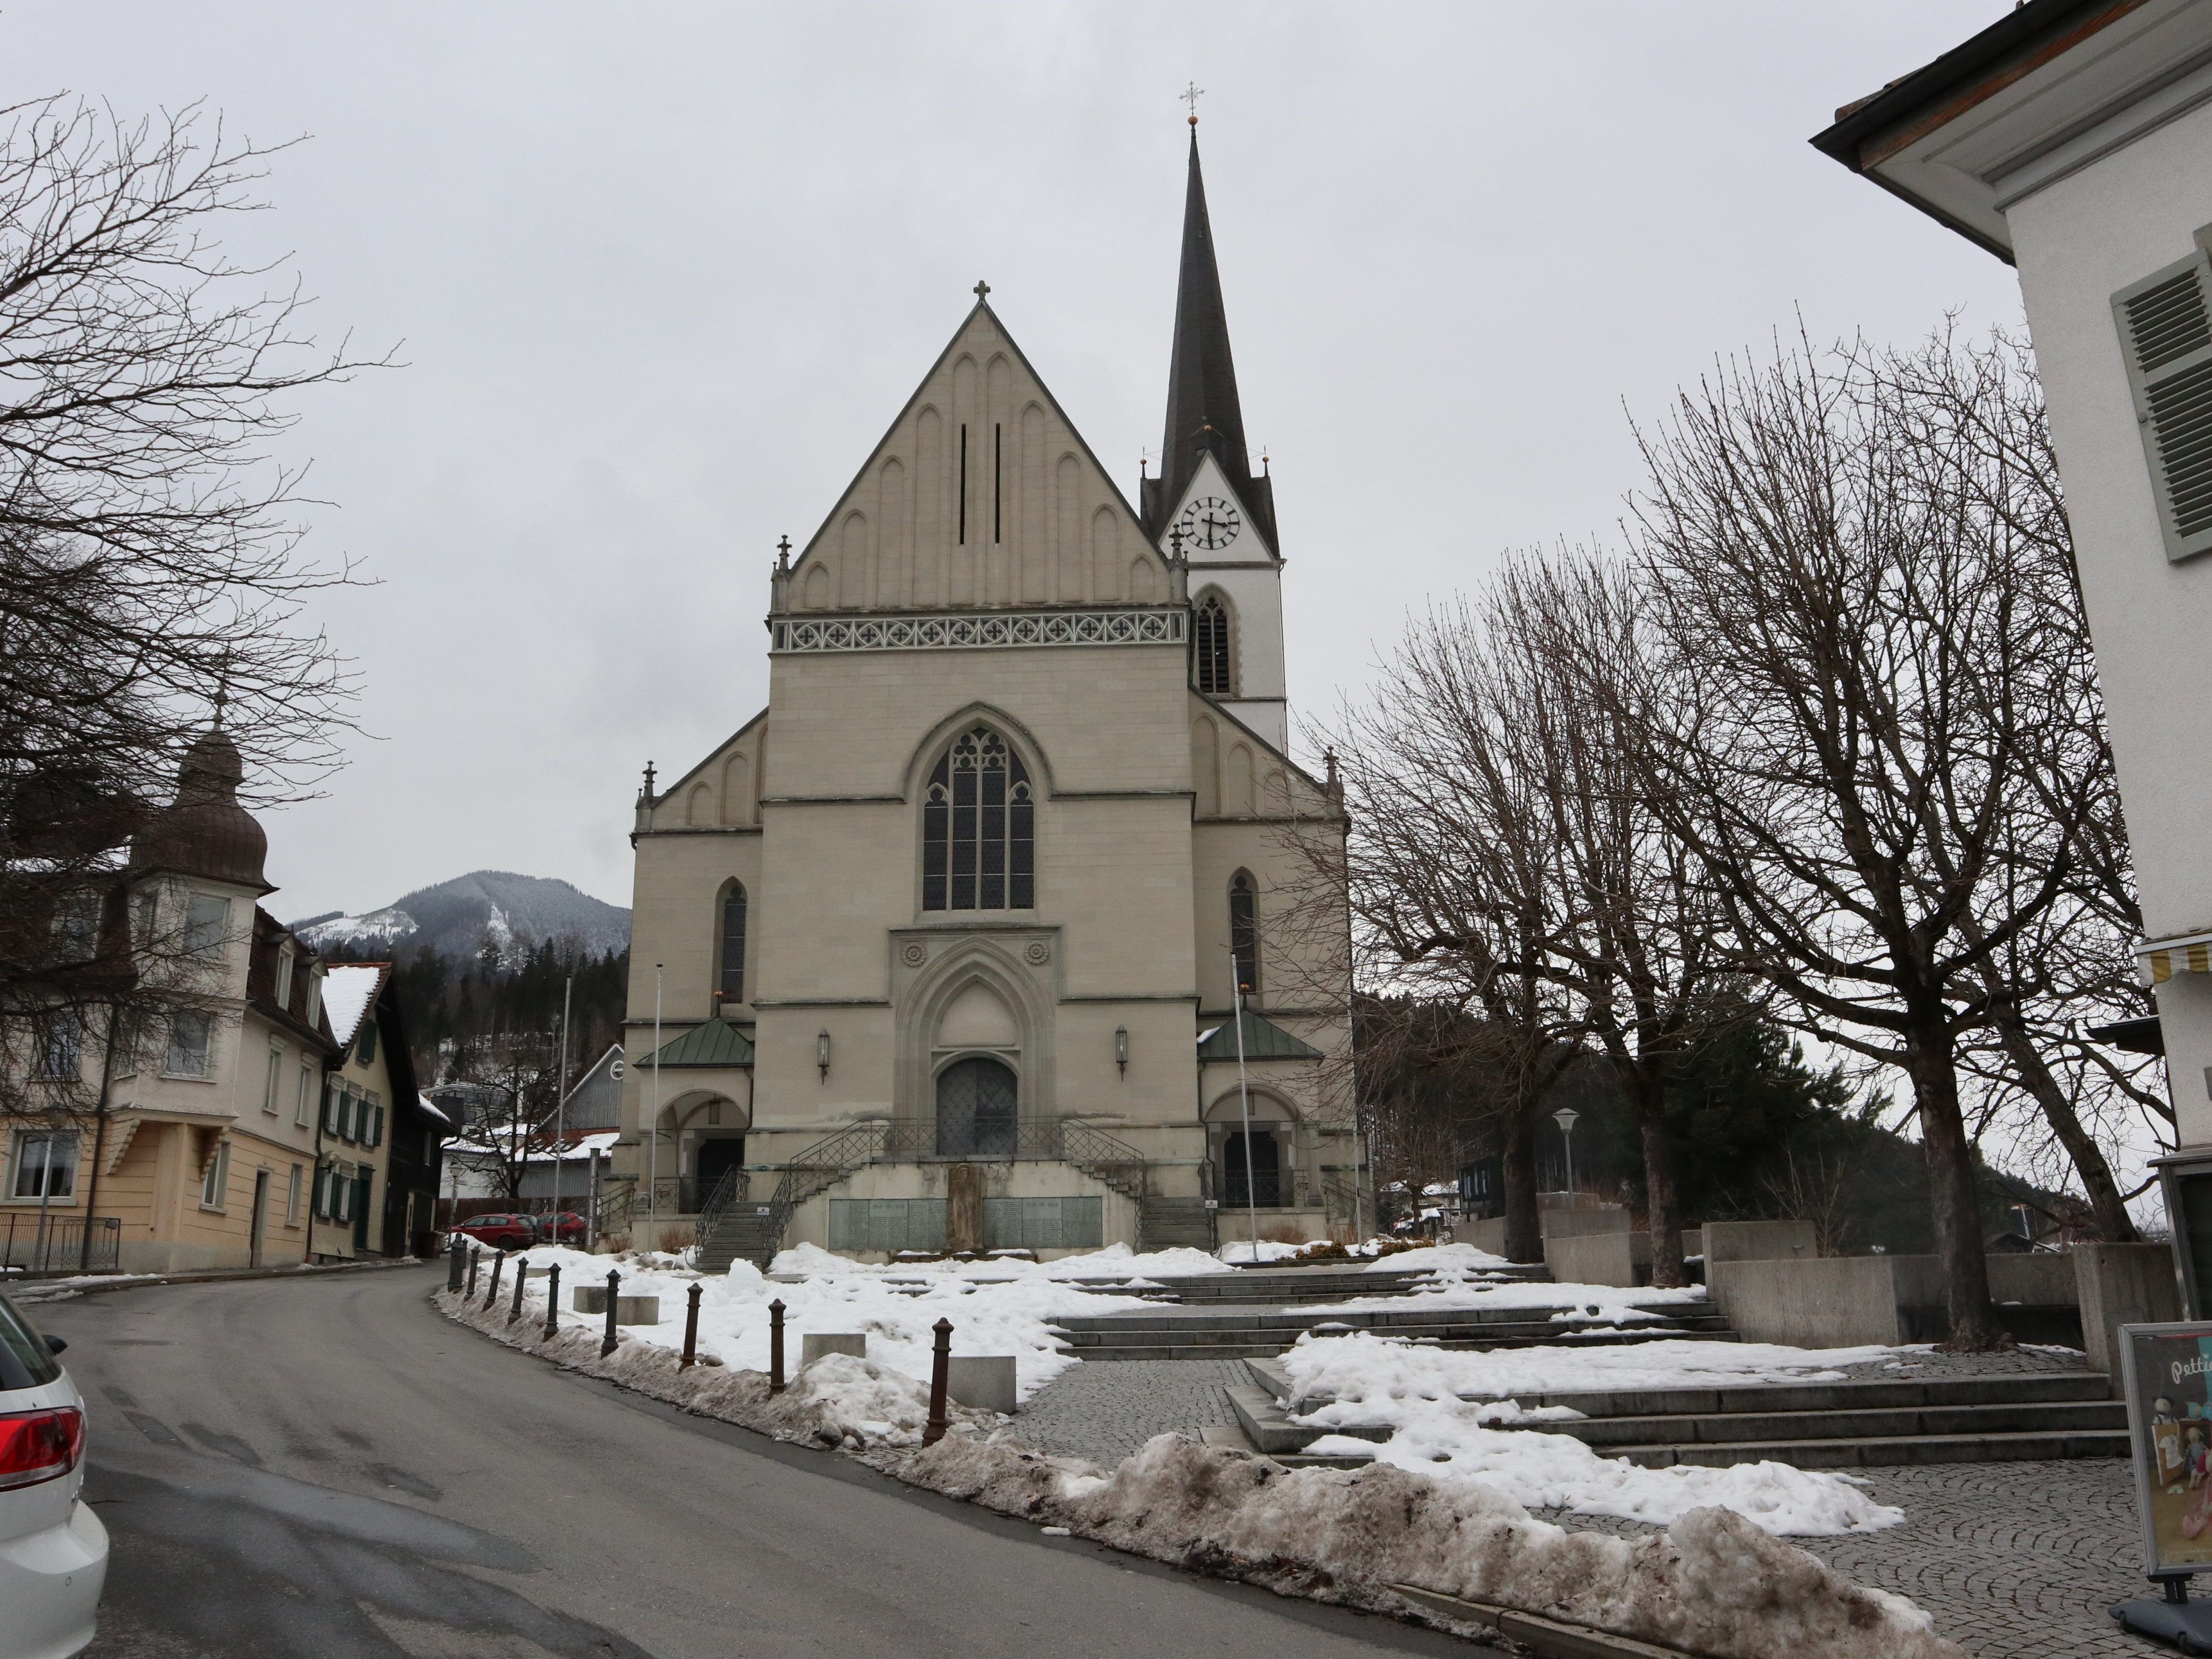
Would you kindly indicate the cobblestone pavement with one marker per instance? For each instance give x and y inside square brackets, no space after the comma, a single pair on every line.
[1924,1364]
[2013,1560]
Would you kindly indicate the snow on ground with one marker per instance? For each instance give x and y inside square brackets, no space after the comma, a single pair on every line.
[1711,1584]
[1117,1263]
[1241,1250]
[1454,1289]
[1011,1312]
[1430,1258]
[1438,1404]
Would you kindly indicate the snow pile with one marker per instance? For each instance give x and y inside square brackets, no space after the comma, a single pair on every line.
[1430,1258]
[1712,1584]
[1438,1406]
[1363,1366]
[1013,1314]
[1116,1262]
[1454,1290]
[1243,1250]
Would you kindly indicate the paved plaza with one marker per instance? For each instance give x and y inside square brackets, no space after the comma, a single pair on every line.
[2013,1560]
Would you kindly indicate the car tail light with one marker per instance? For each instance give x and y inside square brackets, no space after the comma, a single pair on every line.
[42,1445]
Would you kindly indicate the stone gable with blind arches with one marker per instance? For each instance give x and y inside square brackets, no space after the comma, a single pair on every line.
[955,945]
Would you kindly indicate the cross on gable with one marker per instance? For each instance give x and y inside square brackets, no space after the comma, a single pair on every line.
[982,289]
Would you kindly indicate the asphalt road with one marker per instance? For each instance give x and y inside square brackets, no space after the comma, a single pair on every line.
[327,1468]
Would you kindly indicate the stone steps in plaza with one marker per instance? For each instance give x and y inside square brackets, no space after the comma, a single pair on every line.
[1238,1334]
[2002,1418]
[1249,1285]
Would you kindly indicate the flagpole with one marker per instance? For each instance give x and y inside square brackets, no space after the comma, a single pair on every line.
[1244,1100]
[561,1108]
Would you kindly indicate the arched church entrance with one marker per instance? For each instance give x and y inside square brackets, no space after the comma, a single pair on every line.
[976,1108]
[1252,1170]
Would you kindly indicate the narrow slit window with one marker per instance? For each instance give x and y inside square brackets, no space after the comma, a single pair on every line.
[979,829]
[963,483]
[732,984]
[1244,933]
[997,452]
[1210,643]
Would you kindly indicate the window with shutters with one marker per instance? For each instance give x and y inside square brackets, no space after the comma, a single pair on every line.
[978,828]
[365,1045]
[275,1086]
[2166,332]
[1210,647]
[730,978]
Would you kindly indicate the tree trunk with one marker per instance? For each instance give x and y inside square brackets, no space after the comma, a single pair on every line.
[1524,1230]
[1663,1197]
[2114,1223]
[1951,1191]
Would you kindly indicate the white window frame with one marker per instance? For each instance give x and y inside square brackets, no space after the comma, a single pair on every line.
[303,1113]
[18,1149]
[285,963]
[60,1056]
[169,1066]
[292,1198]
[276,1078]
[203,911]
[214,1185]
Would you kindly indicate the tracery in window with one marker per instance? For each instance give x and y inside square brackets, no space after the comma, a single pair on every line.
[733,981]
[1244,933]
[1210,645]
[978,828]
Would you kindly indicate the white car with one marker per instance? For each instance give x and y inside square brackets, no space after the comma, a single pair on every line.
[53,1550]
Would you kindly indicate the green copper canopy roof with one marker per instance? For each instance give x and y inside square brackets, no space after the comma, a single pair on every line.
[717,1043]
[1263,1040]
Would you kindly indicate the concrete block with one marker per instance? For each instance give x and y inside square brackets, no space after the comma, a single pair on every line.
[589,1300]
[1577,1224]
[1488,1234]
[1608,1258]
[1753,1241]
[634,1309]
[2039,1279]
[984,1382]
[814,1344]
[2121,1284]
[1821,1303]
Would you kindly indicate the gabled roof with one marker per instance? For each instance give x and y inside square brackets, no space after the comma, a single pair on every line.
[1263,1040]
[348,992]
[717,1043]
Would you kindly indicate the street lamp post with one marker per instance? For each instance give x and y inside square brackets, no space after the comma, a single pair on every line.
[1564,1117]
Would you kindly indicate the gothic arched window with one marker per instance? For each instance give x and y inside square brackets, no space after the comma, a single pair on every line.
[1244,932]
[979,829]
[732,981]
[1210,645]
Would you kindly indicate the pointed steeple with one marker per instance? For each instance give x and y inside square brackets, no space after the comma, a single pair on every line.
[1203,413]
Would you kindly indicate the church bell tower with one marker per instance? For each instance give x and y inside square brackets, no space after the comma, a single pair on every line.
[1208,506]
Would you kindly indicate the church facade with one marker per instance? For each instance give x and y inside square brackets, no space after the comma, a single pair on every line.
[1009,922]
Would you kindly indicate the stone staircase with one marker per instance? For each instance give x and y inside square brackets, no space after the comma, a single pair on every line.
[1168,1224]
[2044,1416]
[1244,1332]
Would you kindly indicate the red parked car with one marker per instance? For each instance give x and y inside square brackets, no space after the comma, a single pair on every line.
[571,1229]
[505,1232]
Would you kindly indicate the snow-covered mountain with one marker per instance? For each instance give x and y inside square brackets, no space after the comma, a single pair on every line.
[457,918]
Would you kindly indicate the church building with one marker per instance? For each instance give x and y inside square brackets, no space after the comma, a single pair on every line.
[1009,922]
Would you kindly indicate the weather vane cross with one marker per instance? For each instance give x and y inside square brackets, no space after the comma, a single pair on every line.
[1190,94]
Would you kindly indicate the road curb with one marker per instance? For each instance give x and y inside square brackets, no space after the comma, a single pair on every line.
[29,1287]
[1548,1638]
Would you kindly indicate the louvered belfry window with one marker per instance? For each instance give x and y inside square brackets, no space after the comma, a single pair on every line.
[732,985]
[1210,641]
[978,828]
[2166,330]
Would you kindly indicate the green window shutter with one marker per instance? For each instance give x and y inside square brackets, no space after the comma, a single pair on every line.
[330,1108]
[2166,330]
[321,1177]
[376,1129]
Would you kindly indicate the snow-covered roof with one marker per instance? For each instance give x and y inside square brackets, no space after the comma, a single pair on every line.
[432,1108]
[347,991]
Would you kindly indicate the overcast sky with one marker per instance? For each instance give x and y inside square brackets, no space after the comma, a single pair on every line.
[662,275]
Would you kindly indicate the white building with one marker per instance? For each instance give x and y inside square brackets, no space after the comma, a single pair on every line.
[2073,139]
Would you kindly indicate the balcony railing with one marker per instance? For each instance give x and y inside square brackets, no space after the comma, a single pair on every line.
[34,1243]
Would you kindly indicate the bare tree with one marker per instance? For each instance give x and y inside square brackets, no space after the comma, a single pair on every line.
[1850,731]
[149,579]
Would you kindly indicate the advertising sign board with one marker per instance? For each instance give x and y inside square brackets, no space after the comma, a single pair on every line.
[2168,1373]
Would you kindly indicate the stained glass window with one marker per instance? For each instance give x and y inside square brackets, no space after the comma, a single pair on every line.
[978,828]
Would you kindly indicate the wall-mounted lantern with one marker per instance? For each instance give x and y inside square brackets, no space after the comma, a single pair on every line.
[1121,1050]
[822,1054]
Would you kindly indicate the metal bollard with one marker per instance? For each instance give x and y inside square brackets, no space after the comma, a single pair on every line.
[552,1299]
[940,1362]
[498,1263]
[775,1346]
[521,1278]
[455,1267]
[690,1329]
[614,1285]
[476,1254]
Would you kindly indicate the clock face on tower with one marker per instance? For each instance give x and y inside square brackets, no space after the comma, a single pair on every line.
[1210,524]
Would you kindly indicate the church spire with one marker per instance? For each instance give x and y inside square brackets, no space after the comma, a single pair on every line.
[1204,414]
